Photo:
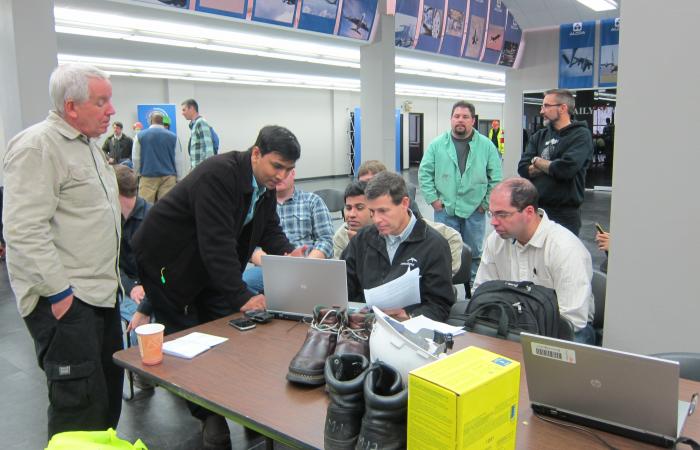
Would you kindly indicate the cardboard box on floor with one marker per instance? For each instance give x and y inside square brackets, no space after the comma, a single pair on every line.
[468,400]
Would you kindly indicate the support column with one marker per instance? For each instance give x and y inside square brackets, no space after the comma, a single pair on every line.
[28,53]
[377,100]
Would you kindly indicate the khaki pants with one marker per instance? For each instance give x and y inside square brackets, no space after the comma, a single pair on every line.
[153,189]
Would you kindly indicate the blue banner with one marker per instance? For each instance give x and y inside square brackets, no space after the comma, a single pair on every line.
[511,45]
[476,28]
[430,31]
[405,23]
[609,50]
[231,8]
[495,35]
[318,15]
[357,18]
[576,46]
[168,112]
[277,12]
[455,20]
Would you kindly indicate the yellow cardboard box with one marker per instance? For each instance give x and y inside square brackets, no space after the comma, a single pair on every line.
[468,400]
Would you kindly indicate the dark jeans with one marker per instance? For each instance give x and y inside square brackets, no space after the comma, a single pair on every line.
[207,306]
[75,353]
[569,218]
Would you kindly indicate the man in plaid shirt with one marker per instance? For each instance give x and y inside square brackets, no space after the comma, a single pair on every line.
[306,222]
[201,145]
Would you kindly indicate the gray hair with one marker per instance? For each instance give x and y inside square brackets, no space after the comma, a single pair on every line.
[565,97]
[70,82]
[387,183]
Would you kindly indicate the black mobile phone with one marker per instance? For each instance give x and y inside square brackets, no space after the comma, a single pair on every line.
[242,324]
[599,228]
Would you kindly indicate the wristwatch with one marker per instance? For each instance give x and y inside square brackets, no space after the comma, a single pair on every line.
[532,161]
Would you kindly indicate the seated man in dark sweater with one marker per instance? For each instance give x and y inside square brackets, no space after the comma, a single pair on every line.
[397,242]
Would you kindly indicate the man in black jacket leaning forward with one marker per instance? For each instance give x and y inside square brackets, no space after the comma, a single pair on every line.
[194,244]
[556,159]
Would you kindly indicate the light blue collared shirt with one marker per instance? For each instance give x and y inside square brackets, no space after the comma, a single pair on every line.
[393,242]
[257,193]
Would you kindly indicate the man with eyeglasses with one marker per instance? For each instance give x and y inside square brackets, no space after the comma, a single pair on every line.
[556,159]
[527,246]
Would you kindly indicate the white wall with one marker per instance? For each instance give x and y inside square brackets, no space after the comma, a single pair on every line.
[538,72]
[319,118]
[653,303]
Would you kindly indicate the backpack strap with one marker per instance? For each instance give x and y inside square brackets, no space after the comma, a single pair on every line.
[503,320]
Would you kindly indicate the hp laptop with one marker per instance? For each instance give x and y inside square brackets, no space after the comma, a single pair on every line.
[293,286]
[623,393]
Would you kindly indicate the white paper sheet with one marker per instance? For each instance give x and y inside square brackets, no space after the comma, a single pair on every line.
[399,293]
[191,345]
[416,323]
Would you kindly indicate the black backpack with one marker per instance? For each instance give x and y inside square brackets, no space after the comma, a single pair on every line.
[511,307]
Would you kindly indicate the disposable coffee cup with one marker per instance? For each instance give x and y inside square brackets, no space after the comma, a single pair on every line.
[150,338]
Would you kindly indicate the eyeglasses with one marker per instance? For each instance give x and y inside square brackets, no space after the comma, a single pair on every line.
[548,105]
[501,215]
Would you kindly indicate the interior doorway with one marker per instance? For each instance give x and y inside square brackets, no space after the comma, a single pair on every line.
[415,138]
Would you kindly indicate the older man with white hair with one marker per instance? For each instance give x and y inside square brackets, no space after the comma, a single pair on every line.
[62,227]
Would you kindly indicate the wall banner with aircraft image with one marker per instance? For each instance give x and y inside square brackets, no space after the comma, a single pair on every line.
[405,23]
[455,20]
[277,12]
[231,8]
[495,35]
[576,46]
[318,15]
[357,18]
[476,28]
[431,20]
[511,45]
[609,46]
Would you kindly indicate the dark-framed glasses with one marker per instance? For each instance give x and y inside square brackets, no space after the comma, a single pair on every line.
[501,215]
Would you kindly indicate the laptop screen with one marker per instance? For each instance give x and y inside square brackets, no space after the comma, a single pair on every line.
[612,387]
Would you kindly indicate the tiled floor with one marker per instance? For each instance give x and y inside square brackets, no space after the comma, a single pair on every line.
[160,419]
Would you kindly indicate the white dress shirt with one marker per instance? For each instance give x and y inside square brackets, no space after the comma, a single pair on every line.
[554,257]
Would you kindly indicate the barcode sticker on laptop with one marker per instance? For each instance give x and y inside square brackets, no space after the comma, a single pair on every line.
[558,353]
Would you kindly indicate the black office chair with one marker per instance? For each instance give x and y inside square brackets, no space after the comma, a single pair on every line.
[689,362]
[463,275]
[598,285]
[566,329]
[334,200]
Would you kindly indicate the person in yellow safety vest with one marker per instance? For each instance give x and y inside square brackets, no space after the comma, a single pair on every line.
[496,136]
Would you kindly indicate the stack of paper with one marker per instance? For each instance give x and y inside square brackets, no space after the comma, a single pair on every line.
[398,293]
[415,324]
[191,345]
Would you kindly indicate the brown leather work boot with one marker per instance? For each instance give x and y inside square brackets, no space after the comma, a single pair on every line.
[354,334]
[308,365]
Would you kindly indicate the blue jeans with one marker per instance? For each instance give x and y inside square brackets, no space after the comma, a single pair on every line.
[253,277]
[127,308]
[472,231]
[585,335]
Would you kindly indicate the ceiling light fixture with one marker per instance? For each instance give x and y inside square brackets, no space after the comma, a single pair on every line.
[180,34]
[599,5]
[159,70]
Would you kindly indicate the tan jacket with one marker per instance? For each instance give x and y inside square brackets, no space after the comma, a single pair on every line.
[62,220]
[341,240]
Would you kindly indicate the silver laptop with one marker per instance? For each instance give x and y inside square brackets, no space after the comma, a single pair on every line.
[622,393]
[293,286]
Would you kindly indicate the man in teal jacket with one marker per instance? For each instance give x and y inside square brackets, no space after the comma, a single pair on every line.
[457,174]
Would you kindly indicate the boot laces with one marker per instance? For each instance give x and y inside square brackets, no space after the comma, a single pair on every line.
[322,326]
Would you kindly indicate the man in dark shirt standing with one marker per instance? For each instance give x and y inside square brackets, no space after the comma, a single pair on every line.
[556,159]
[194,244]
[117,147]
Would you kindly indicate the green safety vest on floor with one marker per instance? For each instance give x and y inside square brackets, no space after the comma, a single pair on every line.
[92,440]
